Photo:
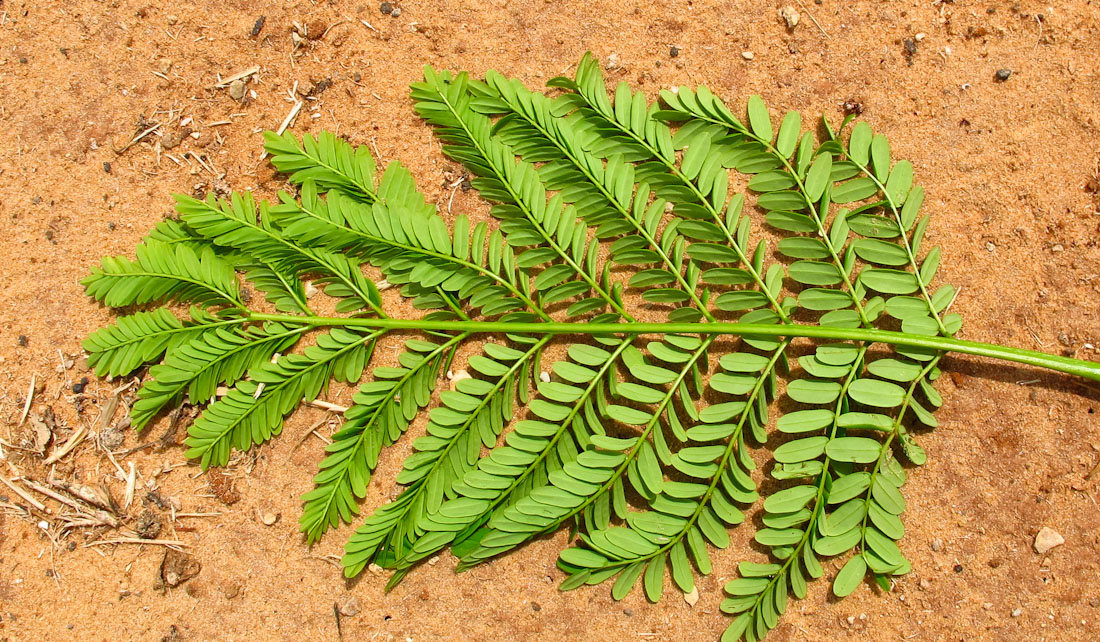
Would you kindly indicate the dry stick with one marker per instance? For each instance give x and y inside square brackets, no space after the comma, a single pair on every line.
[312,430]
[104,418]
[225,82]
[30,399]
[131,484]
[136,139]
[87,494]
[289,117]
[813,19]
[170,543]
[326,405]
[82,509]
[25,495]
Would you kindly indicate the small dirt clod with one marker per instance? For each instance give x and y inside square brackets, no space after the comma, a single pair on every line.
[148,524]
[178,567]
[315,29]
[1003,75]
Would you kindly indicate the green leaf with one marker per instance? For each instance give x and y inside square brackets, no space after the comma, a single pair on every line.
[880,394]
[790,499]
[859,450]
[850,576]
[818,177]
[759,119]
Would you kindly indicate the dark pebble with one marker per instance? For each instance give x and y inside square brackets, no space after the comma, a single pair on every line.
[628,612]
[958,568]
[356,77]
[22,61]
[258,26]
[107,167]
[22,340]
[111,226]
[386,8]
[78,388]
[673,52]
[1003,74]
[535,607]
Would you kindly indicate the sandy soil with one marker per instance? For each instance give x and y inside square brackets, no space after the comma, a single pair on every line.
[1006,165]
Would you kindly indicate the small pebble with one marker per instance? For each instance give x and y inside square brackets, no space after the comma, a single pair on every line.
[544,377]
[236,89]
[386,8]
[171,19]
[107,167]
[459,376]
[748,55]
[22,340]
[937,545]
[535,607]
[1017,612]
[164,65]
[349,605]
[269,518]
[958,568]
[790,15]
[171,140]
[1046,539]
[628,612]
[673,52]
[396,12]
[692,598]
[1003,74]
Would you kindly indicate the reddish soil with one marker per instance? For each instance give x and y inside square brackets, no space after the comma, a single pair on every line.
[1007,166]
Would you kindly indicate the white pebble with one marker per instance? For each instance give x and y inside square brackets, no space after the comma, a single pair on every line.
[1046,539]
[748,55]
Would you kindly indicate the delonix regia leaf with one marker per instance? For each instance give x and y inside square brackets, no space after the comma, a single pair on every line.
[614,234]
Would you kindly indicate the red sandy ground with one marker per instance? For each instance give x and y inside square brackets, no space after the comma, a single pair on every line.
[1005,166]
